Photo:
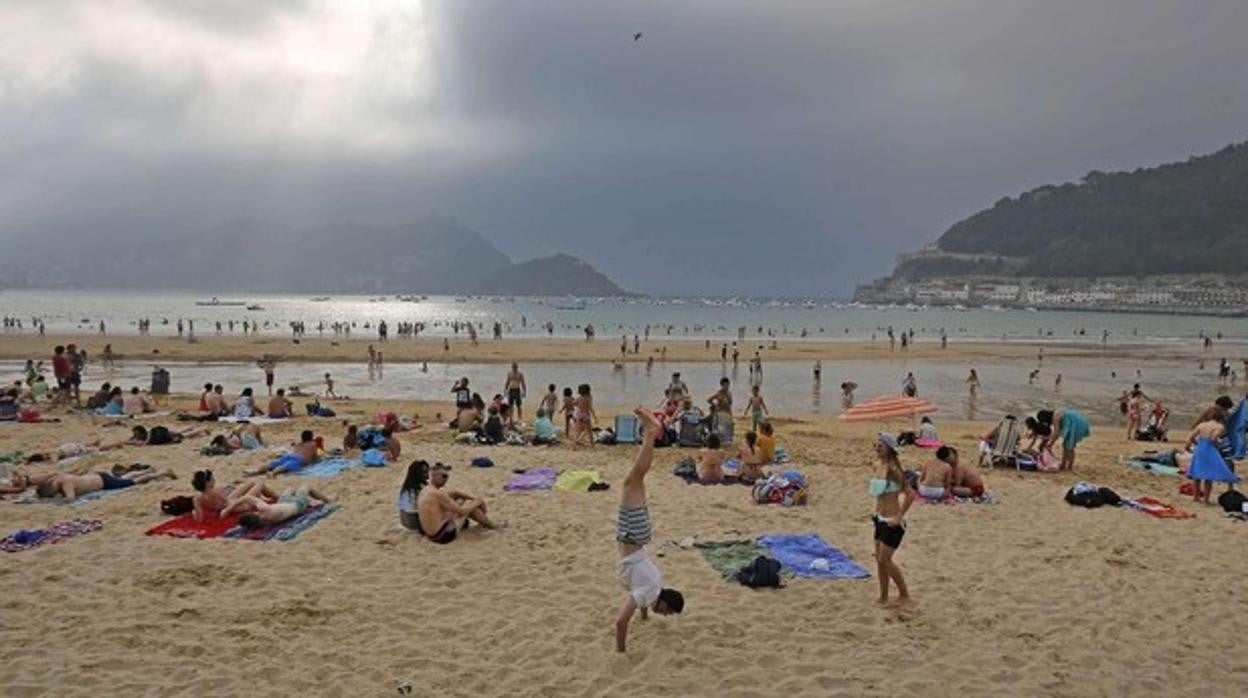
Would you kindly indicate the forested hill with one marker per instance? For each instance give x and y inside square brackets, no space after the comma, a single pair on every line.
[1188,217]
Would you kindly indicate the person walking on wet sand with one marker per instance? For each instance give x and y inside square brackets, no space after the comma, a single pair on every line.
[633,532]
[515,389]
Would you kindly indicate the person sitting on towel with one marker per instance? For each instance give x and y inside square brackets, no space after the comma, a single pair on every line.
[632,533]
[711,460]
[260,512]
[443,513]
[927,430]
[73,486]
[751,459]
[391,445]
[935,478]
[280,406]
[967,480]
[543,428]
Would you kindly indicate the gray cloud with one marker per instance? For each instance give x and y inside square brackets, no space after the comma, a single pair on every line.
[739,148]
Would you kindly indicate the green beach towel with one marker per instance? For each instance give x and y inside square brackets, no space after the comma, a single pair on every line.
[576,480]
[728,556]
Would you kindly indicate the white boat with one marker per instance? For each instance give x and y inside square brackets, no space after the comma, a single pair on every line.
[569,304]
[217,301]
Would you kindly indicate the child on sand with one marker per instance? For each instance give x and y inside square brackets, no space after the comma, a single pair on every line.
[756,408]
[329,387]
[632,533]
[583,415]
[751,459]
[893,498]
[550,401]
[569,406]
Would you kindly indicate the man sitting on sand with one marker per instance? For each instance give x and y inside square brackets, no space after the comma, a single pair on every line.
[967,480]
[73,486]
[444,512]
[935,478]
[632,532]
[290,503]
[279,406]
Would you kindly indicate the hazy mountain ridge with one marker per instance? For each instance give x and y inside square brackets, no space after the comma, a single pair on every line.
[1189,217]
[430,255]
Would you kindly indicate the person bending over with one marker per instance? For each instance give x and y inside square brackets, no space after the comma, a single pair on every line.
[632,532]
[967,480]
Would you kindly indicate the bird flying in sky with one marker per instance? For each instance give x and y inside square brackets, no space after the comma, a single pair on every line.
[637,36]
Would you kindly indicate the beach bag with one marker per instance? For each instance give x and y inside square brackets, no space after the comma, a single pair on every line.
[762,572]
[1232,502]
[1024,461]
[686,469]
[159,436]
[482,462]
[176,506]
[370,437]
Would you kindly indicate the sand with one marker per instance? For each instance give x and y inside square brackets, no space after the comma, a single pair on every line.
[1026,597]
[529,350]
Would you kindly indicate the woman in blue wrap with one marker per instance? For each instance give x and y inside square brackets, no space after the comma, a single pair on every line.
[1068,425]
[1211,461]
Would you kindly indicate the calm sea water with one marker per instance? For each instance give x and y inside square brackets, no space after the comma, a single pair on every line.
[65,311]
[1088,383]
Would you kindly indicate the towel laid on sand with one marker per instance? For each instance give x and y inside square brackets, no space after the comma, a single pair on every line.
[252,420]
[728,556]
[29,539]
[802,553]
[540,479]
[576,480]
[950,498]
[78,501]
[185,526]
[1153,467]
[287,529]
[1157,508]
[328,467]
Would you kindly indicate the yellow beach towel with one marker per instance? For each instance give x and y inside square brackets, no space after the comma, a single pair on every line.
[576,480]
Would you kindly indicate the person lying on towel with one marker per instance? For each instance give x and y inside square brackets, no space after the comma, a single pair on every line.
[74,486]
[300,455]
[260,512]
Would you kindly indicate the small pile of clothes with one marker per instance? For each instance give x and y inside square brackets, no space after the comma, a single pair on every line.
[789,488]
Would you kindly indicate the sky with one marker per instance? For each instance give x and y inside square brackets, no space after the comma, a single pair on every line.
[738,148]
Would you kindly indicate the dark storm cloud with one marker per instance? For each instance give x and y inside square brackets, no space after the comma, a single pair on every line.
[738,148]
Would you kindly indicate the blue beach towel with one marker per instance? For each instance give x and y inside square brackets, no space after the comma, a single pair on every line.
[1236,423]
[286,530]
[80,500]
[1208,464]
[797,552]
[327,468]
[373,458]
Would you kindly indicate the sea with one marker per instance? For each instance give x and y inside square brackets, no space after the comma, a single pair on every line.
[1166,350]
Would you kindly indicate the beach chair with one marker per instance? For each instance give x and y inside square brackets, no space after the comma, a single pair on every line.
[626,428]
[692,429]
[1004,452]
[723,425]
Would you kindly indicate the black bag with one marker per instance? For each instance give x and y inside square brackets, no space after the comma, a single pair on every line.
[176,506]
[763,572]
[159,436]
[1232,501]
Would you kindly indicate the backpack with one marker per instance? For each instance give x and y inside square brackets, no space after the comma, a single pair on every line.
[762,572]
[686,469]
[176,506]
[1232,501]
[159,436]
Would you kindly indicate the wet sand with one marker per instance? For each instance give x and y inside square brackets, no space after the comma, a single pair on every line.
[1025,597]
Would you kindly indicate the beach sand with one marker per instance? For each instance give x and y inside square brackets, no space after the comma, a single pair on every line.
[1029,596]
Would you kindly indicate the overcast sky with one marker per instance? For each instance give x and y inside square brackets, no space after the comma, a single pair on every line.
[761,147]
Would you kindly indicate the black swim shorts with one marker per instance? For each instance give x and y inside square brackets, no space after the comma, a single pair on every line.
[446,534]
[112,482]
[513,397]
[887,533]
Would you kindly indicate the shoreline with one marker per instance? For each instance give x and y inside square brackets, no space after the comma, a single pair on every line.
[236,348]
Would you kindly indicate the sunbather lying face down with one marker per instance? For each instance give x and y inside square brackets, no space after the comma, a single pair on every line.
[72,486]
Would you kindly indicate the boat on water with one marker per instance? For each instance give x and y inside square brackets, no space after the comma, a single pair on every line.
[569,304]
[255,306]
[217,301]
[320,299]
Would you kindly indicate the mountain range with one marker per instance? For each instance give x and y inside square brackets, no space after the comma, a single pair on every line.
[1180,218]
[429,255]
